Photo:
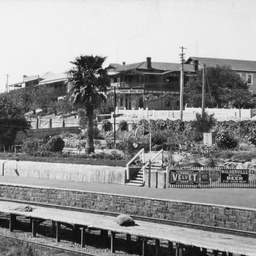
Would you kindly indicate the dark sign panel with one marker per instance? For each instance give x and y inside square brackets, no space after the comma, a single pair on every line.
[235,176]
[205,177]
[184,177]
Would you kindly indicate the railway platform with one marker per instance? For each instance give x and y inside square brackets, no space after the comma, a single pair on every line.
[184,238]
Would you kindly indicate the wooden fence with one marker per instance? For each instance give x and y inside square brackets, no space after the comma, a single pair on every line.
[210,178]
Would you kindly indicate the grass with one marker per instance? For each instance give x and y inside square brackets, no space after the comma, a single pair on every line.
[10,248]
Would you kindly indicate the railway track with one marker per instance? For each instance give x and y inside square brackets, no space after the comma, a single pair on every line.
[45,249]
[142,218]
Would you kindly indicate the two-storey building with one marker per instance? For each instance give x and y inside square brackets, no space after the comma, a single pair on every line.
[245,68]
[134,82]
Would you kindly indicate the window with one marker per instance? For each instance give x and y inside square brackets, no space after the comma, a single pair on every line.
[121,101]
[249,78]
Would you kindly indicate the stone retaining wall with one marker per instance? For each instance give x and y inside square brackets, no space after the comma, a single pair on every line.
[76,172]
[211,215]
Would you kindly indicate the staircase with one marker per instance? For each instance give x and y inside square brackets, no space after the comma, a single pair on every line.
[137,180]
[136,177]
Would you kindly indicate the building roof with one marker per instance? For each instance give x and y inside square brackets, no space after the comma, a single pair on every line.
[50,77]
[46,78]
[237,65]
[30,78]
[159,67]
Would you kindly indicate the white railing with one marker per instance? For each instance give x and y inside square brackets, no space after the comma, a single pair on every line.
[151,161]
[141,152]
[188,113]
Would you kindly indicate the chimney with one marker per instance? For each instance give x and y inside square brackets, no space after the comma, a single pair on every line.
[149,66]
[124,63]
[195,62]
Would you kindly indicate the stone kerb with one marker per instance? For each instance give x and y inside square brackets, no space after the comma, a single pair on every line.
[85,173]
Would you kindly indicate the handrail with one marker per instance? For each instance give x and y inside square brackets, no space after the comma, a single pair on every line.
[151,160]
[127,165]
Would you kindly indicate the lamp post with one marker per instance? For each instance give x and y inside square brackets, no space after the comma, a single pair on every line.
[140,131]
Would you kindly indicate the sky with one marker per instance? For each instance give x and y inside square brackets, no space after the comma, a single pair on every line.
[38,36]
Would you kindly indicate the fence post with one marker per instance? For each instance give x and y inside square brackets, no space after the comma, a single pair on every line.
[149,173]
[37,122]
[63,123]
[167,177]
[50,123]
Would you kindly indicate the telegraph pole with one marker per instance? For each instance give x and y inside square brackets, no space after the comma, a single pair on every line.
[115,117]
[203,90]
[181,82]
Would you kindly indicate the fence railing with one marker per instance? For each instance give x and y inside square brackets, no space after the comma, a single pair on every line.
[205,177]
[141,154]
[188,113]
[39,123]
[150,162]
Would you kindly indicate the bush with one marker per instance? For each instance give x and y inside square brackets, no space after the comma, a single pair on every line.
[252,137]
[202,124]
[106,125]
[226,140]
[31,145]
[109,144]
[123,126]
[55,144]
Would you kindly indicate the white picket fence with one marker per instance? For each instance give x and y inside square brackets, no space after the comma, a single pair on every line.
[188,114]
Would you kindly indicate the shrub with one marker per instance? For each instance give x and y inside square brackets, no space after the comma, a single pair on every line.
[55,144]
[252,137]
[30,145]
[226,140]
[123,126]
[109,144]
[106,125]
[203,123]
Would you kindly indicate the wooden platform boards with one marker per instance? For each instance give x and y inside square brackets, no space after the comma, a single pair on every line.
[218,242]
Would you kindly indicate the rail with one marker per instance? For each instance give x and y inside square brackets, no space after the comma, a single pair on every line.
[150,162]
[141,152]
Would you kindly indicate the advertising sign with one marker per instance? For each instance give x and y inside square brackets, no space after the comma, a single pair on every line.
[235,176]
[205,177]
[184,177]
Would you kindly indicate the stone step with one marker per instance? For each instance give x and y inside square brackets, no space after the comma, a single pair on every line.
[131,183]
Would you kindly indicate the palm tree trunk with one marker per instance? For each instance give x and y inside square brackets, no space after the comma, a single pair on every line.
[89,141]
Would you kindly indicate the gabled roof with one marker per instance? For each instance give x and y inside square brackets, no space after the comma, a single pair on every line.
[237,65]
[50,77]
[30,78]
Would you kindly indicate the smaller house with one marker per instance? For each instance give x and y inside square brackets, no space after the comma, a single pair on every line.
[56,80]
[245,68]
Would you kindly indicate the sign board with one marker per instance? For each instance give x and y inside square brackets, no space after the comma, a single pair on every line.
[205,177]
[235,176]
[183,177]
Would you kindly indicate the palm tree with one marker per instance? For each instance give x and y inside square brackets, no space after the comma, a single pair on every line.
[90,82]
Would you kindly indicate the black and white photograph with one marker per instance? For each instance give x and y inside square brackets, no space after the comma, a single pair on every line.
[128,128]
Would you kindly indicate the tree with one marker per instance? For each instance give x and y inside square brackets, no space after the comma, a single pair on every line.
[149,99]
[225,88]
[22,98]
[44,97]
[90,82]
[11,121]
